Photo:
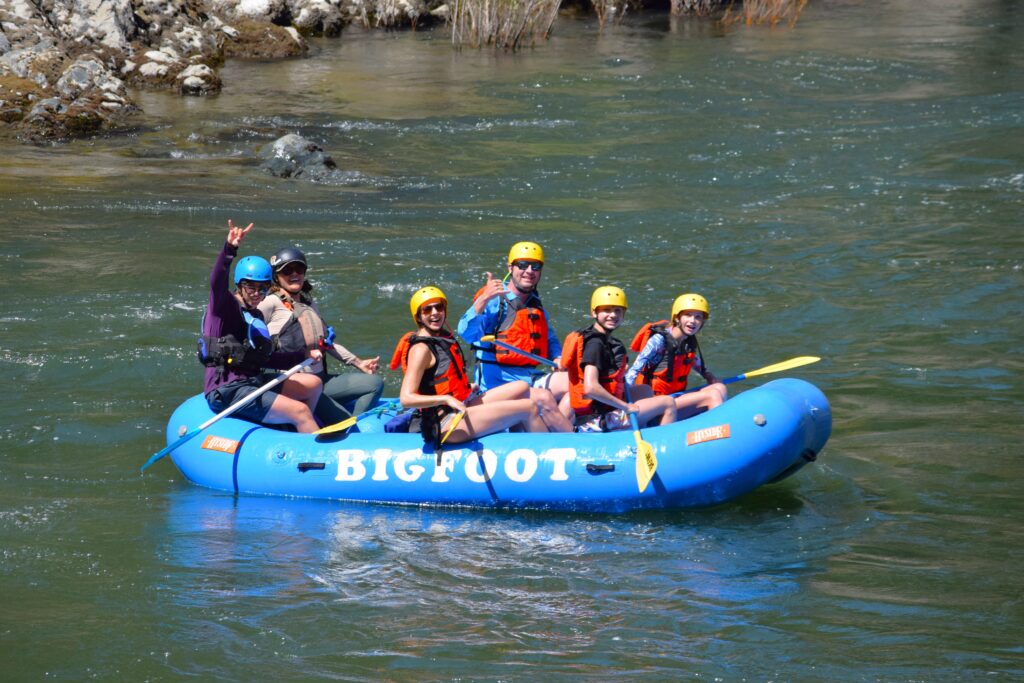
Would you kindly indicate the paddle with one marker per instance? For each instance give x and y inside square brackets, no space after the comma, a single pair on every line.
[766,370]
[646,460]
[489,338]
[455,423]
[227,411]
[349,421]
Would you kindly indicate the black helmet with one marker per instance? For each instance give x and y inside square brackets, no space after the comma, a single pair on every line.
[285,256]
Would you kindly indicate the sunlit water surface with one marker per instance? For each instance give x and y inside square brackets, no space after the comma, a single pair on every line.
[851,188]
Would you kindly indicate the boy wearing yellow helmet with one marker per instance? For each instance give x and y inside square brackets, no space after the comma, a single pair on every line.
[669,351]
[435,384]
[511,310]
[596,363]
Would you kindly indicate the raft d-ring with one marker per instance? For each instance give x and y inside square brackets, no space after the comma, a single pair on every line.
[760,420]
[182,431]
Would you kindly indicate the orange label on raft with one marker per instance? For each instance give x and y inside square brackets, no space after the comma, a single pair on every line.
[219,443]
[708,434]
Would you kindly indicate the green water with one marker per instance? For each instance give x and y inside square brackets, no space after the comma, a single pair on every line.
[850,189]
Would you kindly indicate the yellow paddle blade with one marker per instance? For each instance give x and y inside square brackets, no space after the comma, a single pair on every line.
[454,424]
[337,427]
[784,365]
[646,462]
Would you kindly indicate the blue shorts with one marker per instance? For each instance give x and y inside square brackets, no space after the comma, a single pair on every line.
[232,392]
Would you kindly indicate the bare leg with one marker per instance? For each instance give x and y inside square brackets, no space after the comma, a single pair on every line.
[566,409]
[558,384]
[711,396]
[304,387]
[486,418]
[656,406]
[549,418]
[505,392]
[286,410]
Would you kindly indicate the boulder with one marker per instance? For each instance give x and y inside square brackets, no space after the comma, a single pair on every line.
[293,156]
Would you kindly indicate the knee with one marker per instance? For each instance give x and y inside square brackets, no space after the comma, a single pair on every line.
[544,399]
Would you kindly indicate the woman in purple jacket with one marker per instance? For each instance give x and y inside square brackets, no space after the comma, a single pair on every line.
[236,346]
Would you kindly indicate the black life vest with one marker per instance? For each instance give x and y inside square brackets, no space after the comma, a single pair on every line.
[305,330]
[247,356]
[572,359]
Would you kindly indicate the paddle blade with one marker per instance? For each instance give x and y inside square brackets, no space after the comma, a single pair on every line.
[454,424]
[784,365]
[646,462]
[167,449]
[337,427]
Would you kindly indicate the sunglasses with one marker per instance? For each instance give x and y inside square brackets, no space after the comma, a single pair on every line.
[430,308]
[293,268]
[528,265]
[253,288]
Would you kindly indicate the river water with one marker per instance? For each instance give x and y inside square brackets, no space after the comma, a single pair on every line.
[851,188]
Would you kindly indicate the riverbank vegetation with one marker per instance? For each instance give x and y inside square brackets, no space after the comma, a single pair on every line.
[511,24]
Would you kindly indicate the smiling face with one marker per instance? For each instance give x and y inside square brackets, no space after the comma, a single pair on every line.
[525,274]
[291,277]
[609,317]
[251,293]
[432,315]
[690,322]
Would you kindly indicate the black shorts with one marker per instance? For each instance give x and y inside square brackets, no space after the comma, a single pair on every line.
[232,392]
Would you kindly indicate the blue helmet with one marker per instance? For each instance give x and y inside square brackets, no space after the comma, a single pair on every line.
[253,268]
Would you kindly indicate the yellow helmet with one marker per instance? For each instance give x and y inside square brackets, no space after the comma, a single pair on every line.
[425,296]
[608,296]
[530,251]
[690,302]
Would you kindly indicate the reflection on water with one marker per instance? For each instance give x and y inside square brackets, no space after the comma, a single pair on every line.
[849,189]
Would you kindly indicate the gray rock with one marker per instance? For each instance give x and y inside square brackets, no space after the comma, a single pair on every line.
[293,156]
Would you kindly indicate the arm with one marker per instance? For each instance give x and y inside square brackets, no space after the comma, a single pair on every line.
[222,304]
[593,390]
[708,376]
[473,325]
[650,356]
[369,365]
[420,359]
[480,317]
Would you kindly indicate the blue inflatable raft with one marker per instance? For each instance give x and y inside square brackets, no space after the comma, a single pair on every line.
[759,436]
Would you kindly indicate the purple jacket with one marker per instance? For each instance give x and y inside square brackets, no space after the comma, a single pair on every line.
[224,316]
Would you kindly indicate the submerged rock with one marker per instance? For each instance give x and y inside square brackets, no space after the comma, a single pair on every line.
[293,156]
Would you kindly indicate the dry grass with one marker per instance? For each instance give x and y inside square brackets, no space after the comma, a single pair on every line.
[508,24]
[766,12]
[613,10]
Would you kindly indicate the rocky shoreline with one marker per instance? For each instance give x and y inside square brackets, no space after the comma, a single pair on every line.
[66,65]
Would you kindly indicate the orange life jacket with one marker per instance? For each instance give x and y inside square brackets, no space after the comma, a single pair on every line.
[448,376]
[669,376]
[522,326]
[572,356]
